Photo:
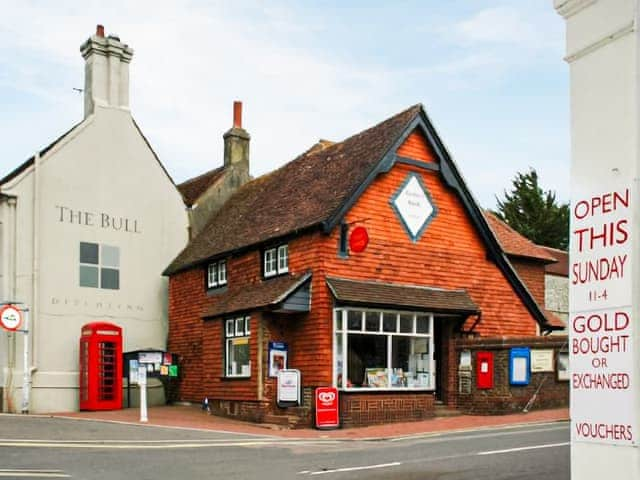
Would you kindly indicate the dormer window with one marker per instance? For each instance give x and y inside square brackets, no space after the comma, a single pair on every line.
[276,261]
[217,274]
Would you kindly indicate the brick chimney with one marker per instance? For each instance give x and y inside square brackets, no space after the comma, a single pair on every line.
[106,72]
[236,143]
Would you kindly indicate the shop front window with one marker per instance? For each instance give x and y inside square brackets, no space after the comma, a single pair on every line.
[237,332]
[377,349]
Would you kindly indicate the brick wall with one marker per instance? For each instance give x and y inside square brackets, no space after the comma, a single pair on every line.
[506,398]
[450,254]
[370,408]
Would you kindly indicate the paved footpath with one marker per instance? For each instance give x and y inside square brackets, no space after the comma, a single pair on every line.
[181,416]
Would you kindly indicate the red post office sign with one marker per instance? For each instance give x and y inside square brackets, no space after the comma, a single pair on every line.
[358,240]
[327,412]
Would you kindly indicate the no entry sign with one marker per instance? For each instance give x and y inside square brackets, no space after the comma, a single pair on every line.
[10,317]
[327,415]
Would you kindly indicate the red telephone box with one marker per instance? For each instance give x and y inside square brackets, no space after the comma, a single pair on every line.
[484,369]
[100,366]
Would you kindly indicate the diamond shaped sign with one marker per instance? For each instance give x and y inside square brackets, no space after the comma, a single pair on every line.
[413,206]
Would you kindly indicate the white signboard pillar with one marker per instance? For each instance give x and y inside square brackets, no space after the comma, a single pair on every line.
[602,50]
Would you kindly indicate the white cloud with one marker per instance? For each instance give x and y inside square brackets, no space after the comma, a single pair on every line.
[509,26]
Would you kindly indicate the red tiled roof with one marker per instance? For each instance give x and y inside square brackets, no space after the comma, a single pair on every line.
[194,187]
[554,320]
[408,296]
[253,296]
[301,194]
[561,267]
[515,244]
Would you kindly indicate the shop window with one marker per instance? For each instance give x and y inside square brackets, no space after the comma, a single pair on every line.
[276,261]
[99,266]
[237,333]
[217,274]
[378,349]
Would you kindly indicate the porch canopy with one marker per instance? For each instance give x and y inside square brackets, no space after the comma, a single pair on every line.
[286,294]
[411,297]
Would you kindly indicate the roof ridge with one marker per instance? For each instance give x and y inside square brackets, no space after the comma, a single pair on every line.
[202,175]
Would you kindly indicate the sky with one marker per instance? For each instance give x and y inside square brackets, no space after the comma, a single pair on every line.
[489,73]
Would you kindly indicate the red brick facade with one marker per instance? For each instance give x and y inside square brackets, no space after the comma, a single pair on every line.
[450,254]
[505,398]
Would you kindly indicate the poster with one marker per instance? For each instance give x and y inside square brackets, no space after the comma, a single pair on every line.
[601,350]
[278,353]
[541,360]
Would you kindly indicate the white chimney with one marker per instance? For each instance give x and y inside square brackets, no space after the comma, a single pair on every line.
[106,72]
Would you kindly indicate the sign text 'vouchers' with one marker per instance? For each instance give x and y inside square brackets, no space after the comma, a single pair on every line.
[602,400]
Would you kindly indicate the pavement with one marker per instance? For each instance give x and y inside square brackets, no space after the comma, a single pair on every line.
[193,417]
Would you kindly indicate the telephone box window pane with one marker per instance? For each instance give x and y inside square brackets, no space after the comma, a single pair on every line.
[372,321]
[89,253]
[110,256]
[88,276]
[422,324]
[354,320]
[406,323]
[389,322]
[110,278]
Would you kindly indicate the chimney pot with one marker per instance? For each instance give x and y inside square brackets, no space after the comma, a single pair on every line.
[100,30]
[237,114]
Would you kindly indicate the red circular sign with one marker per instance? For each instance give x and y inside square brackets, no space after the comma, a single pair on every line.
[10,317]
[358,240]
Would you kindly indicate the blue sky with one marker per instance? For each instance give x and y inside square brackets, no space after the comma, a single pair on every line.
[489,73]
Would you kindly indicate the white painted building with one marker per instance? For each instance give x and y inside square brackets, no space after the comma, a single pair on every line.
[86,227]
[602,50]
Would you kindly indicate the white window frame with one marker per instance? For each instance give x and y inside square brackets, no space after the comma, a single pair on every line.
[222,272]
[217,274]
[275,260]
[340,317]
[270,263]
[102,265]
[234,328]
[283,258]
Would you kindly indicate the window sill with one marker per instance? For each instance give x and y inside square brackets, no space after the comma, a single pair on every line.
[276,275]
[235,377]
[217,290]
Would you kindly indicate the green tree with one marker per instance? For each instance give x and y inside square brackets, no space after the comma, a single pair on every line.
[535,213]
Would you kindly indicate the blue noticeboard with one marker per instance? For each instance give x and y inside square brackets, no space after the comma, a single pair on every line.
[520,366]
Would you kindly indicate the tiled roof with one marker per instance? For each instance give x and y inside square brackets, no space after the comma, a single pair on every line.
[303,193]
[513,243]
[554,320]
[253,296]
[406,296]
[193,188]
[561,267]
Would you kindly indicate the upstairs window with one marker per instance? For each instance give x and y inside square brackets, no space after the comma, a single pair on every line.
[99,266]
[217,274]
[276,261]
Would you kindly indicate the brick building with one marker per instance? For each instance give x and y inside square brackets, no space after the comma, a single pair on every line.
[363,264]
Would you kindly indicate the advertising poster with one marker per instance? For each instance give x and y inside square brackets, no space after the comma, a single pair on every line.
[603,403]
[278,353]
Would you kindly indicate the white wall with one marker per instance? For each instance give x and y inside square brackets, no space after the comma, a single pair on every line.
[602,52]
[104,170]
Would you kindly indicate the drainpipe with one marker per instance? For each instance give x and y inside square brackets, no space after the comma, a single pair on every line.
[35,303]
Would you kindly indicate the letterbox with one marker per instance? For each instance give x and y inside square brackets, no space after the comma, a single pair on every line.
[484,369]
[100,366]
